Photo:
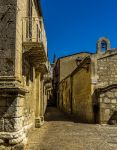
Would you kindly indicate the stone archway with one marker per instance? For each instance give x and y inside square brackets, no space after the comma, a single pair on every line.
[103,43]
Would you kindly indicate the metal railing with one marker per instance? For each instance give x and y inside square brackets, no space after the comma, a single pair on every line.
[33,31]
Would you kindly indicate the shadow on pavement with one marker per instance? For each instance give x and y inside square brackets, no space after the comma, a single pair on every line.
[53,114]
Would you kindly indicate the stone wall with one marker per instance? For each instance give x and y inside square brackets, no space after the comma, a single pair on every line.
[25,71]
[108,105]
[7,37]
[81,95]
[107,70]
[65,95]
[21,13]
[18,82]
[107,78]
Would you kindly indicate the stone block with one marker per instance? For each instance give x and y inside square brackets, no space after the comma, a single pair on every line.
[115,94]
[101,100]
[110,94]
[103,105]
[13,124]
[107,111]
[4,147]
[102,95]
[106,100]
[113,101]
[105,115]
[1,141]
[113,107]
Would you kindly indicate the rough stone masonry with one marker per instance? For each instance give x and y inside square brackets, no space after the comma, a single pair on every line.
[23,66]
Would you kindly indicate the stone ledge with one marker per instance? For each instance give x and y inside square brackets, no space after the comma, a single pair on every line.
[12,84]
[13,90]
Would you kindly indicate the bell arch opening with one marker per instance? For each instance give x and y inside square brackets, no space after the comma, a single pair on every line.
[103,45]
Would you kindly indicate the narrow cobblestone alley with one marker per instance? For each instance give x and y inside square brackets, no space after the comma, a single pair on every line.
[60,133]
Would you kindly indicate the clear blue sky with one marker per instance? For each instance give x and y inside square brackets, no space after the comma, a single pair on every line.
[75,25]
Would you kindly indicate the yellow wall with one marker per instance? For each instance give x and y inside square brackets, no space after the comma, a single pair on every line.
[20,32]
[22,65]
[65,95]
[75,95]
[81,95]
[68,64]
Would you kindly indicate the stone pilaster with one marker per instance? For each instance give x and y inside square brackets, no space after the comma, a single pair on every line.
[39,120]
[11,116]
[38,97]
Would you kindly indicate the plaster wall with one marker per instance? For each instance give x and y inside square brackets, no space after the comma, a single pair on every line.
[81,95]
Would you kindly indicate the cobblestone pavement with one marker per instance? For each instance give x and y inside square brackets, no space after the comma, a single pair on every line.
[60,133]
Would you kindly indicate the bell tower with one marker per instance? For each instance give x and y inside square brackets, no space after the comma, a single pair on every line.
[103,45]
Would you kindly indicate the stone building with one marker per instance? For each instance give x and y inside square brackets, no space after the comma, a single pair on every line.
[89,92]
[23,68]
[48,84]
[63,67]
